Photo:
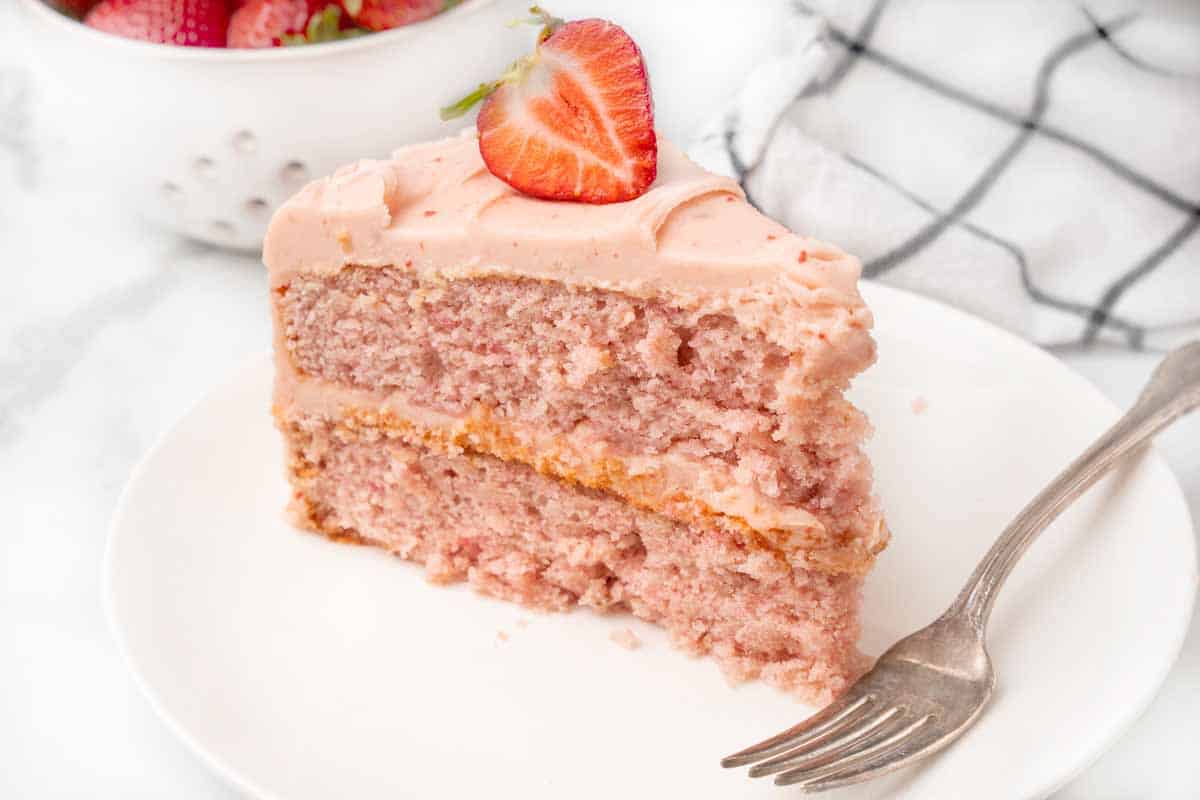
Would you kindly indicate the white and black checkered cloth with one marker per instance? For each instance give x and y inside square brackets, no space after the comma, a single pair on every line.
[1035,163]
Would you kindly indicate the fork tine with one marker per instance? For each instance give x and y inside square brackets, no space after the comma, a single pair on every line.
[833,748]
[882,756]
[825,720]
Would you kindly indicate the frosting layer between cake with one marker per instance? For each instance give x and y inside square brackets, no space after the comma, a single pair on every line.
[674,485]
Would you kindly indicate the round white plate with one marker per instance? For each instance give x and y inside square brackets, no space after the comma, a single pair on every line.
[302,668]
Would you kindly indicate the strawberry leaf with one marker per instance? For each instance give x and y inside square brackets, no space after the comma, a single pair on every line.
[548,21]
[456,110]
[516,71]
[323,26]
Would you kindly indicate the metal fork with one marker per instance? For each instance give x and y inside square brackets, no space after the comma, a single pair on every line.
[929,688]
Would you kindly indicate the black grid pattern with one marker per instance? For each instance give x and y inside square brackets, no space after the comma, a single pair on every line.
[1098,317]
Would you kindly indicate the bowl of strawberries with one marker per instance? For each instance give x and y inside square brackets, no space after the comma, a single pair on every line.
[204,115]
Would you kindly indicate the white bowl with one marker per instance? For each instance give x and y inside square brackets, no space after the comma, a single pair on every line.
[209,141]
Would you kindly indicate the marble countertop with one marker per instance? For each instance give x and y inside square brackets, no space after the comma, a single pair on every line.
[109,332]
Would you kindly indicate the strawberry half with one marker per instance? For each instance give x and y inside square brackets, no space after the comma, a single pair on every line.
[191,23]
[263,23]
[572,121]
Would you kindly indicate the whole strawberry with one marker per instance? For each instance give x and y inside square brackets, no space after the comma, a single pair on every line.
[73,8]
[382,15]
[191,23]
[572,121]
[263,23]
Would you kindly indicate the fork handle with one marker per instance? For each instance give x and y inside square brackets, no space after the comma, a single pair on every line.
[1173,390]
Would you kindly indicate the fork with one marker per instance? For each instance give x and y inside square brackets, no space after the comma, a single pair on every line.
[927,689]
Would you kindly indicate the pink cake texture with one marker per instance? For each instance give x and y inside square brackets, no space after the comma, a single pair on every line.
[635,407]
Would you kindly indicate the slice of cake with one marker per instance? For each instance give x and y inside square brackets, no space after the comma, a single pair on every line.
[620,386]
[631,406]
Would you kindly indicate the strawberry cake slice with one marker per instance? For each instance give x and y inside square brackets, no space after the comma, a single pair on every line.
[633,405]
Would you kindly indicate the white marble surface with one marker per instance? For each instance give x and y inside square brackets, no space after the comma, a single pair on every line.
[109,331]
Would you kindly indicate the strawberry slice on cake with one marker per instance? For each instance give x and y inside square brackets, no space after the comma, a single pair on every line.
[572,121]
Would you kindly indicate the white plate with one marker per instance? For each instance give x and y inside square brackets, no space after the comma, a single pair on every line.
[302,668]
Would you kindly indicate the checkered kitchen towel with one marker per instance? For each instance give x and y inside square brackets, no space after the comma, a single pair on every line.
[1036,163]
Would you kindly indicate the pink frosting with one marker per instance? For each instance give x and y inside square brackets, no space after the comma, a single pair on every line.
[436,209]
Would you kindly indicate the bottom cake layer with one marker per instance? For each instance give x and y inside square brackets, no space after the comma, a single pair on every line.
[519,535]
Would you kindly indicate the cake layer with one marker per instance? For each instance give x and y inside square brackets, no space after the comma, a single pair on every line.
[434,209]
[640,397]
[522,536]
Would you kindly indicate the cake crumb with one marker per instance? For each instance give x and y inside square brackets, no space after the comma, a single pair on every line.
[522,623]
[501,636]
[343,239]
[626,638]
[919,404]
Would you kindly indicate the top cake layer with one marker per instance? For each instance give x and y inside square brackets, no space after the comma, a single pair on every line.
[434,208]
